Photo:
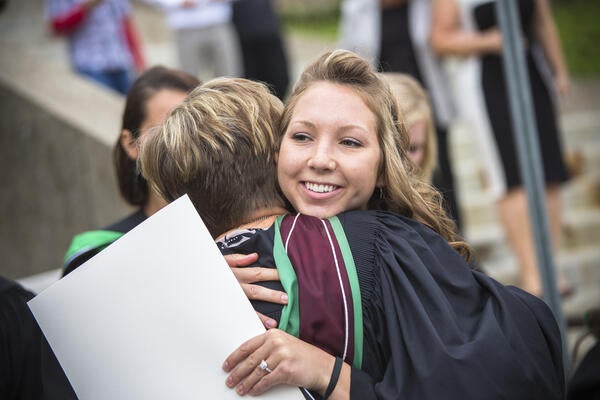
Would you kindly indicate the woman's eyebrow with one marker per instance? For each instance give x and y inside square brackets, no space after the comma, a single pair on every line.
[342,128]
[303,122]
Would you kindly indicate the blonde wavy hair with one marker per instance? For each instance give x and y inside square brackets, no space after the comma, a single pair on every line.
[217,144]
[404,191]
[415,107]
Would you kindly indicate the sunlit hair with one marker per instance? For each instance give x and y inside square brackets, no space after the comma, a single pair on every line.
[217,146]
[404,192]
[415,107]
[133,187]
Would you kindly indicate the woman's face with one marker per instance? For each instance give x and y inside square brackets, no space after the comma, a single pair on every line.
[159,105]
[418,136]
[329,157]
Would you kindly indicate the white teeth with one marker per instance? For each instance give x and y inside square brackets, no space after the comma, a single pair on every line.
[315,187]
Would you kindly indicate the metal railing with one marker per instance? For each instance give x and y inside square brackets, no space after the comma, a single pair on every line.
[528,149]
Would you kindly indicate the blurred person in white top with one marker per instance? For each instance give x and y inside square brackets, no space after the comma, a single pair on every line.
[207,44]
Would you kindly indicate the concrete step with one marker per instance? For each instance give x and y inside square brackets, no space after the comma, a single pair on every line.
[500,264]
[581,228]
[581,196]
[581,192]
[470,175]
[164,54]
[484,238]
[478,210]
[591,157]
[581,266]
[581,140]
[581,301]
[580,128]
[462,142]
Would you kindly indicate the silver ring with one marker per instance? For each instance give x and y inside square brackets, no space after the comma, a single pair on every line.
[263,365]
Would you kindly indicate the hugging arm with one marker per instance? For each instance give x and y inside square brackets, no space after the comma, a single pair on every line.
[248,277]
[290,360]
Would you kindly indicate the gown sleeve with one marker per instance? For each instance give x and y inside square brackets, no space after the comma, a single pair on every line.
[437,329]
[19,344]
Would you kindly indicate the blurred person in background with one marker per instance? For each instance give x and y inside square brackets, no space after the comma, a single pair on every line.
[263,51]
[414,105]
[394,34]
[207,45]
[469,29]
[151,98]
[103,43]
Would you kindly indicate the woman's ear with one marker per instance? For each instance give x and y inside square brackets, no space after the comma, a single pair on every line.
[129,144]
[276,157]
[380,182]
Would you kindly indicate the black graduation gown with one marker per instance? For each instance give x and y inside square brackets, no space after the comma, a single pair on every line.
[434,328]
[20,376]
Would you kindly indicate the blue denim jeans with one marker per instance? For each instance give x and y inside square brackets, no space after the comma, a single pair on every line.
[119,80]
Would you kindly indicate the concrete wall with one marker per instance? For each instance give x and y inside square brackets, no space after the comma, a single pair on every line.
[56,174]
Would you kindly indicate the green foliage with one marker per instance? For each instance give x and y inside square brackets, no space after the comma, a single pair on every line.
[322,25]
[577,23]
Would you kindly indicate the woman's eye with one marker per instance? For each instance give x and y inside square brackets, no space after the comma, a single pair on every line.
[350,142]
[300,137]
[414,148]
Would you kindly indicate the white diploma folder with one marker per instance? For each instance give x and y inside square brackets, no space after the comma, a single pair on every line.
[153,316]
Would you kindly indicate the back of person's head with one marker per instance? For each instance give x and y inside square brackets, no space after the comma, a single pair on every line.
[404,192]
[217,147]
[133,187]
[415,108]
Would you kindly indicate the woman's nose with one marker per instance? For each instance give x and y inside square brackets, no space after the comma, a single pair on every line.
[322,158]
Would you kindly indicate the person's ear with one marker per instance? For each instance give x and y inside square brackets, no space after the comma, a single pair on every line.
[380,182]
[276,157]
[129,144]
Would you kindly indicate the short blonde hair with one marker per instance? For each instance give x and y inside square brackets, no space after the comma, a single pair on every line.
[415,107]
[404,192]
[217,146]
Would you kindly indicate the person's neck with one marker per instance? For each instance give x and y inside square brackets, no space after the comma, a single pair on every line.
[260,219]
[154,203]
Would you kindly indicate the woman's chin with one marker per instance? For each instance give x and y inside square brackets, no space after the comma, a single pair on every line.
[319,212]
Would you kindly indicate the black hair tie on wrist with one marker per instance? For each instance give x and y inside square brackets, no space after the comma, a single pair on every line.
[335,374]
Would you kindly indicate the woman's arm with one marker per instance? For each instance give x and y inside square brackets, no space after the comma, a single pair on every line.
[249,276]
[134,43]
[291,361]
[447,37]
[547,35]
[66,23]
